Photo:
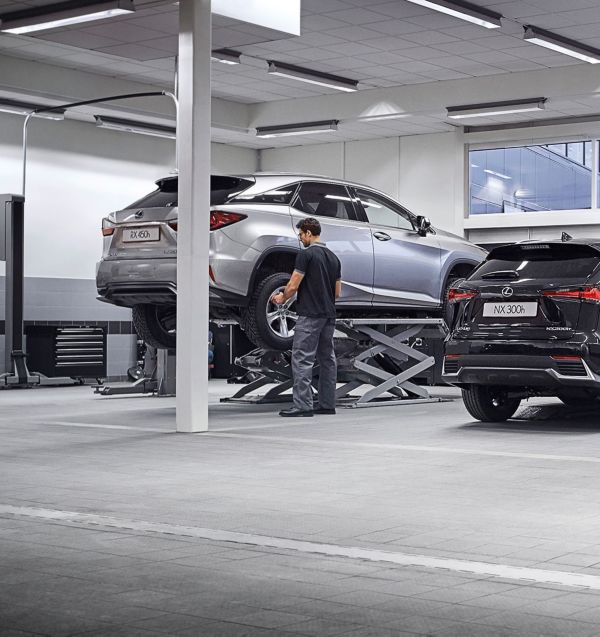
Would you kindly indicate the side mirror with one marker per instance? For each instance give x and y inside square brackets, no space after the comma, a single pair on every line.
[423,225]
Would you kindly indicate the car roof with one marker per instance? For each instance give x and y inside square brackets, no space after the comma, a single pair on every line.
[586,241]
[272,179]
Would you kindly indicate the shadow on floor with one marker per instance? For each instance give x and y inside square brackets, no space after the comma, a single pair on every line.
[555,418]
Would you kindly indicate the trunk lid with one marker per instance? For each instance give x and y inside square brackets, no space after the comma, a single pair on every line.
[519,291]
[147,228]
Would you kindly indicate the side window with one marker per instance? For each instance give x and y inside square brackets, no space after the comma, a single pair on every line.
[320,199]
[382,212]
[281,195]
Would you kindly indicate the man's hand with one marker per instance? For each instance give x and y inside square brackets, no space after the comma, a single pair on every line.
[278,299]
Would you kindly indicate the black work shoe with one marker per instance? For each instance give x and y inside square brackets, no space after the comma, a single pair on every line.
[293,412]
[323,411]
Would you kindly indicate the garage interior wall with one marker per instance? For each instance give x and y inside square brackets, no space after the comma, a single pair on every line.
[76,175]
[423,172]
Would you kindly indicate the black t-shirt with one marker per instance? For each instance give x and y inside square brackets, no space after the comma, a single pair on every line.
[321,269]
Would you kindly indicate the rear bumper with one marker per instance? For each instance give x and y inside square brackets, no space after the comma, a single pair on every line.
[129,282]
[544,371]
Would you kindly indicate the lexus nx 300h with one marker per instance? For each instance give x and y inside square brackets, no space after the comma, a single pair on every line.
[393,262]
[527,324]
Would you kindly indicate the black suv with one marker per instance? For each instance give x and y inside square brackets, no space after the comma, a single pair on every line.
[526,323]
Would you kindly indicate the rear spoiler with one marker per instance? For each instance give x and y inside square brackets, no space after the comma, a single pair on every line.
[545,250]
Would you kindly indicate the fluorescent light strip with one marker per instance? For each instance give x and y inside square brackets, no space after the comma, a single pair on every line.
[562,45]
[312,77]
[62,14]
[16,107]
[305,128]
[464,11]
[225,56]
[131,126]
[496,108]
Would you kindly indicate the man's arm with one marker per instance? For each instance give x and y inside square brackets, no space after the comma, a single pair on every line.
[338,289]
[290,289]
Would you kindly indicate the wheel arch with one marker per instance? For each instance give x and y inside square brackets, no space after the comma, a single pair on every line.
[276,259]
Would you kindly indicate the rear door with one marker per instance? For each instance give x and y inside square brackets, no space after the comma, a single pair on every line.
[344,234]
[532,292]
[406,265]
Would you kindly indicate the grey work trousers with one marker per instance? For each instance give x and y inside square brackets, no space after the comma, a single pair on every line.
[313,339]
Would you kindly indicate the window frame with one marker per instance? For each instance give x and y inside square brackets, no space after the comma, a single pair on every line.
[542,218]
[353,204]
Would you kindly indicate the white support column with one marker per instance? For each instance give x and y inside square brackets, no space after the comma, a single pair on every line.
[194,201]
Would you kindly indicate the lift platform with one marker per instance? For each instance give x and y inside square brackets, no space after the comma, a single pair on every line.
[370,351]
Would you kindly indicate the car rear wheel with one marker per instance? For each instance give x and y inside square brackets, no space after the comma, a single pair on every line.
[266,324]
[155,324]
[489,404]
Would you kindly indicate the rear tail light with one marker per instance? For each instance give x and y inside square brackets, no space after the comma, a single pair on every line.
[590,294]
[108,228]
[220,219]
[211,274]
[456,295]
[173,225]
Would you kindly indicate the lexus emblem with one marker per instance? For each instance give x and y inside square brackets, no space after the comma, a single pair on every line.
[139,214]
[507,291]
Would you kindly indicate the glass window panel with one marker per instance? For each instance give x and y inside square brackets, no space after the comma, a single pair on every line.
[381,212]
[530,178]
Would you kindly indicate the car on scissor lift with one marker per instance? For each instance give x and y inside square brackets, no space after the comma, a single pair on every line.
[394,263]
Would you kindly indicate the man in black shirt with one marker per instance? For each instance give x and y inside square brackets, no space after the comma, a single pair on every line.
[317,281]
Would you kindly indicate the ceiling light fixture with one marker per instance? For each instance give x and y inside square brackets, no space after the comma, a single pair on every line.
[496,108]
[60,14]
[131,126]
[312,77]
[17,107]
[225,56]
[562,44]
[464,11]
[305,128]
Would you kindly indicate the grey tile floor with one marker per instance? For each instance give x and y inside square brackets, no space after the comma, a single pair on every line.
[112,524]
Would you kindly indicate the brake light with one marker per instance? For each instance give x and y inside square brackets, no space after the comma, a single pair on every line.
[173,225]
[566,358]
[452,356]
[591,294]
[220,219]
[108,228]
[211,274]
[455,295]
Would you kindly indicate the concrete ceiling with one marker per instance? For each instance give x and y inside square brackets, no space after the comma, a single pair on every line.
[383,44]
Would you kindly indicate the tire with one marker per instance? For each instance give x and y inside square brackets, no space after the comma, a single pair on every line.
[489,404]
[155,325]
[262,326]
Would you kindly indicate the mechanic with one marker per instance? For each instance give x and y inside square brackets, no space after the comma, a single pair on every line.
[317,281]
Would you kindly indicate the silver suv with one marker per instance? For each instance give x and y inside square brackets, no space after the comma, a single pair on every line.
[393,262]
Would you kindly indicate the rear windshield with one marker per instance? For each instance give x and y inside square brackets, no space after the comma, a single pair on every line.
[222,189]
[541,261]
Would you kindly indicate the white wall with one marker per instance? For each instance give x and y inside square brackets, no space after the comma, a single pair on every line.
[423,172]
[76,174]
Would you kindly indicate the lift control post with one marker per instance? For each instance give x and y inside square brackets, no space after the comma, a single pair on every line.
[11,251]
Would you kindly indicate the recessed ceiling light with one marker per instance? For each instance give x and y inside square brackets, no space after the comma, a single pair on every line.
[312,77]
[464,11]
[496,108]
[304,128]
[60,14]
[561,44]
[225,56]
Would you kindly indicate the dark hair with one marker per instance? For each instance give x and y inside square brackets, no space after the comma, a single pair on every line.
[310,224]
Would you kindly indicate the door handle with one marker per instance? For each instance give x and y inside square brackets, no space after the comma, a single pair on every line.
[382,236]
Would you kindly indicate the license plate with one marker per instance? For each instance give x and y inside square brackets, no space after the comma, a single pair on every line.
[510,310]
[151,233]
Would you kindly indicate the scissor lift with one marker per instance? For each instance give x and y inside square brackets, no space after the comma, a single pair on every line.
[372,352]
